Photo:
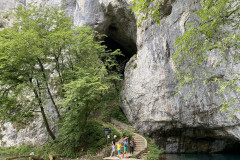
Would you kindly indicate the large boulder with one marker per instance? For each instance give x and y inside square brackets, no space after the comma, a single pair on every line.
[177,123]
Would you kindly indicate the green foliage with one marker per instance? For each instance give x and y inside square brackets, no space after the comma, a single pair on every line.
[110,105]
[154,151]
[1,136]
[135,65]
[127,133]
[111,109]
[215,35]
[85,94]
[118,114]
[26,149]
[147,9]
[28,57]
[89,142]
[89,139]
[44,51]
[134,156]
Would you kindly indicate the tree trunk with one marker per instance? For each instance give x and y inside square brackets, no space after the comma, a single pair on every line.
[58,65]
[46,123]
[37,96]
[49,92]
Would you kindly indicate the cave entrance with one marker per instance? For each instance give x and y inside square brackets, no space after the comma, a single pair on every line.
[122,60]
[195,140]
[232,147]
[118,38]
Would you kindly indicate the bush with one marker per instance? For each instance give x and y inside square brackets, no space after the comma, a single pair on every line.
[94,140]
[127,133]
[118,114]
[26,149]
[111,109]
[154,151]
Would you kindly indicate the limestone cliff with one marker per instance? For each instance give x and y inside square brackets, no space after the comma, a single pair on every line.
[177,124]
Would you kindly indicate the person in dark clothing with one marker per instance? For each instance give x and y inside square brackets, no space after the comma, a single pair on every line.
[132,145]
[113,145]
[114,140]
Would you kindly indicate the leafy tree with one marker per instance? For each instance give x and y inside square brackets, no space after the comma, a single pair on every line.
[43,52]
[25,55]
[92,79]
[215,34]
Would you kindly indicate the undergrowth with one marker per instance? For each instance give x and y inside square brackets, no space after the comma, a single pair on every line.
[26,149]
[112,108]
[94,140]
[154,151]
[118,114]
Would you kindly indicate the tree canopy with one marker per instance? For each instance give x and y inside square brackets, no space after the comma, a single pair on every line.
[44,57]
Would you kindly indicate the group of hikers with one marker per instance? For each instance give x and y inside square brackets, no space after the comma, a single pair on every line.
[122,143]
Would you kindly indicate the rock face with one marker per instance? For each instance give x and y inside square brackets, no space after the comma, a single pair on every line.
[175,123]
[34,134]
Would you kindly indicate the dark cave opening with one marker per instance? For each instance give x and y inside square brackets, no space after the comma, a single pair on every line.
[232,147]
[195,140]
[113,45]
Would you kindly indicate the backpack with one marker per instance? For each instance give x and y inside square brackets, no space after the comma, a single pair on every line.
[132,143]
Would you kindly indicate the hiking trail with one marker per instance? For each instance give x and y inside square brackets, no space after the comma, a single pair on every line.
[140,142]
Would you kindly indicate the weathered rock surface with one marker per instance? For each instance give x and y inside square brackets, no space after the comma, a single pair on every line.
[177,124]
[34,134]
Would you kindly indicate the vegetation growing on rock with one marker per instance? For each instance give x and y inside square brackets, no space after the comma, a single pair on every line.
[44,55]
[214,34]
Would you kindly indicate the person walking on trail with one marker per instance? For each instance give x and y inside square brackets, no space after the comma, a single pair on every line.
[113,145]
[113,150]
[132,145]
[119,148]
[125,144]
[114,140]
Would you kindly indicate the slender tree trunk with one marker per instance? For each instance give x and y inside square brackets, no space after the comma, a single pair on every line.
[42,110]
[58,65]
[49,92]
[46,123]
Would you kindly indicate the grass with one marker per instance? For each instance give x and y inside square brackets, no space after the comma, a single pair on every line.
[26,149]
[134,156]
